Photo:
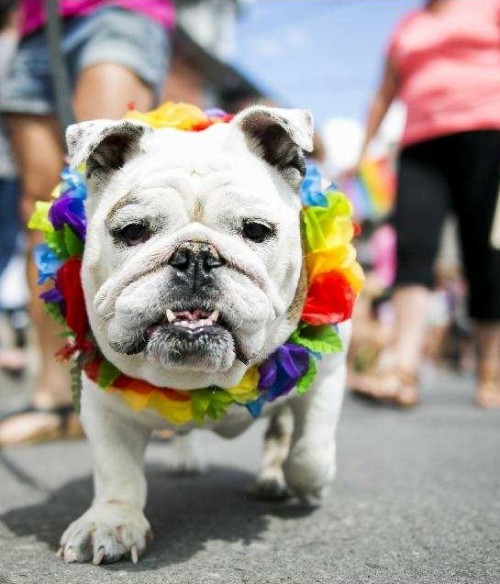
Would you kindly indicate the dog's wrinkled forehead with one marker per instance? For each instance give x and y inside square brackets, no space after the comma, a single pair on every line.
[277,136]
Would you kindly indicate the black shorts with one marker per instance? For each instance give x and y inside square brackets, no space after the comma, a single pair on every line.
[458,173]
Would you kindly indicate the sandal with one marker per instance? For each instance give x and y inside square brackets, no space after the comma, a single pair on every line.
[33,425]
[488,393]
[397,386]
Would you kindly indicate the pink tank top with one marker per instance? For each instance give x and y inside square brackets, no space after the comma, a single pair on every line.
[448,64]
[33,11]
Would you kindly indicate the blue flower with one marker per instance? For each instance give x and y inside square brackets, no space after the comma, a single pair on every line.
[311,192]
[46,261]
[74,184]
[255,407]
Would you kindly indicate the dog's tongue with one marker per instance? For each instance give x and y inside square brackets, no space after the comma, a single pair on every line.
[195,315]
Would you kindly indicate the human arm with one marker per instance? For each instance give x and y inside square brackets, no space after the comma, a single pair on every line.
[380,103]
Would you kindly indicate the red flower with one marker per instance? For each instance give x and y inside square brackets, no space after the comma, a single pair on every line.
[68,281]
[330,300]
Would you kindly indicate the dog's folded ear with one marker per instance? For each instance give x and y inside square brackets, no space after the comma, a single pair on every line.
[103,145]
[279,136]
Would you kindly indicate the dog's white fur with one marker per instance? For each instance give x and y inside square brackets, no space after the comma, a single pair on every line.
[195,187]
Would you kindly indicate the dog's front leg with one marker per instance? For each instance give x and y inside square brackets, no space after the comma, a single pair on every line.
[115,525]
[311,463]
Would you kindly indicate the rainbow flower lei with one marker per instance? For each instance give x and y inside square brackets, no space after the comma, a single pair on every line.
[334,280]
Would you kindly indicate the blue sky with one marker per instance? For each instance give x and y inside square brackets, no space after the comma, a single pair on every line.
[325,55]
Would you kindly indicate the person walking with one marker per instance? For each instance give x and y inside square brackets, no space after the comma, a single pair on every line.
[116,52]
[443,62]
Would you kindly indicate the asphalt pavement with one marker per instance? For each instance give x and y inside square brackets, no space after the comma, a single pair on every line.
[417,500]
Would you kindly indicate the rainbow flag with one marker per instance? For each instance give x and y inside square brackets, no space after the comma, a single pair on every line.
[372,191]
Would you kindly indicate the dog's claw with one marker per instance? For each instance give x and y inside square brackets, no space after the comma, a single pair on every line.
[60,552]
[134,554]
[99,557]
[70,555]
[106,533]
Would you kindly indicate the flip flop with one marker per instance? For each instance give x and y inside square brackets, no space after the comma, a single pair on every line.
[68,425]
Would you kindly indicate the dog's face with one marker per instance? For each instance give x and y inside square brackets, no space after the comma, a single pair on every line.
[192,265]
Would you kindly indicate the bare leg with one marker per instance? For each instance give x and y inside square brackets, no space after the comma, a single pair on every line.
[396,377]
[106,90]
[488,344]
[411,304]
[40,158]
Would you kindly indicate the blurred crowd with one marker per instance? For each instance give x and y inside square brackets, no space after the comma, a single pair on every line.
[427,207]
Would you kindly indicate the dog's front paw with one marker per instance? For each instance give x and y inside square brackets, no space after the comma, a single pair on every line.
[309,472]
[106,533]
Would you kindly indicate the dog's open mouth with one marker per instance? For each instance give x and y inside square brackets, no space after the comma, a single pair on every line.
[192,336]
[191,322]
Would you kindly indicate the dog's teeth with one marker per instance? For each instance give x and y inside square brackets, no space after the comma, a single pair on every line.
[214,317]
[170,315]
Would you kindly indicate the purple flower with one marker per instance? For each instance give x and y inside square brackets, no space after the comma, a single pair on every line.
[52,296]
[70,211]
[215,112]
[280,371]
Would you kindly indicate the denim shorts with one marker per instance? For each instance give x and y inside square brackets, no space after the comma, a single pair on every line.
[108,35]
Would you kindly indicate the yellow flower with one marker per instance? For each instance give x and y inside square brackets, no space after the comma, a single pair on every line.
[40,218]
[325,260]
[136,400]
[56,191]
[180,116]
[177,412]
[246,390]
[330,226]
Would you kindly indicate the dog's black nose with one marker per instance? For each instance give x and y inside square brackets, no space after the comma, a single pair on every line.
[194,262]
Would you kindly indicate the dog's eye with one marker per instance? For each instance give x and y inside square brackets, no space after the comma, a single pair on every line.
[134,234]
[257,231]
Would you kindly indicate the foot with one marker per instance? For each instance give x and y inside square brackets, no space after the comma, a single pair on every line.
[107,532]
[488,394]
[397,386]
[33,425]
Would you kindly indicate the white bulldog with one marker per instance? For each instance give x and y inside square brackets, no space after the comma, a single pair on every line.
[192,272]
